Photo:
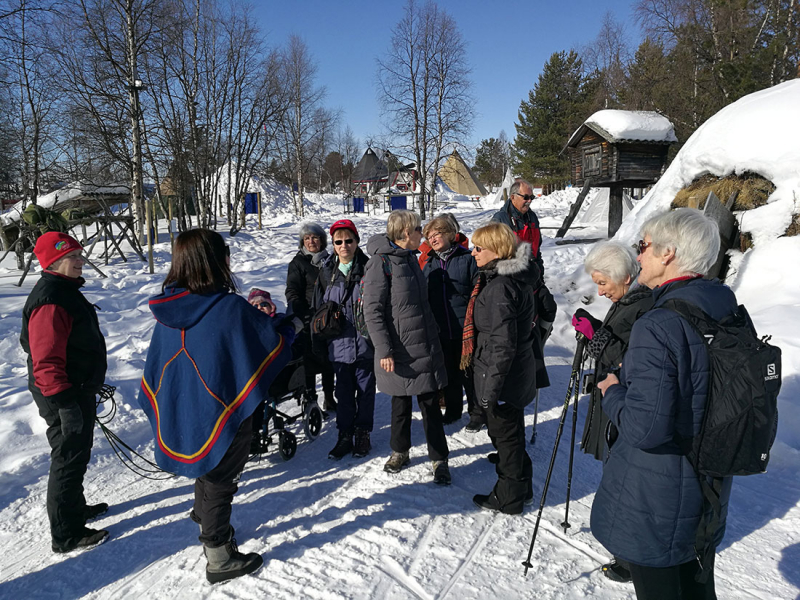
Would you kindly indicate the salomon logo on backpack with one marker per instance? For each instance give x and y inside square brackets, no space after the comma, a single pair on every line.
[741,414]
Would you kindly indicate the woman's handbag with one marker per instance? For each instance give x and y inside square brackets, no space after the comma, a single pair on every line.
[328,322]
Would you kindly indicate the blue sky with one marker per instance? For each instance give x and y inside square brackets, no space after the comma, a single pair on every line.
[508,44]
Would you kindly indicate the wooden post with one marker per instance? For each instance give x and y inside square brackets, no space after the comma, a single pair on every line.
[259,209]
[614,209]
[573,210]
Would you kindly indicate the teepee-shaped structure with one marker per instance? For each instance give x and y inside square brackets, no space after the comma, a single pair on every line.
[459,177]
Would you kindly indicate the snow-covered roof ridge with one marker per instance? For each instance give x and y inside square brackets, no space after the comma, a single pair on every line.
[628,125]
[756,134]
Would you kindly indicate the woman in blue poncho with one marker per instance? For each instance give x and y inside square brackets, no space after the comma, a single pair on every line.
[211,361]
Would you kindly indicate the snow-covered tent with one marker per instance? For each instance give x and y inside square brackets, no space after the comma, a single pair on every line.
[501,195]
[459,177]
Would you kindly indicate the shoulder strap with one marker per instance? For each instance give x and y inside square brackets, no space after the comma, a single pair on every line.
[700,321]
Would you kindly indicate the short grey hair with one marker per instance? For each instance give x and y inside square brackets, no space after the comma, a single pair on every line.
[399,222]
[518,183]
[614,260]
[693,237]
[452,218]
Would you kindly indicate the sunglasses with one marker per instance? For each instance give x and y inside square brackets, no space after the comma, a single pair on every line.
[641,246]
[478,249]
[526,196]
[348,241]
[418,229]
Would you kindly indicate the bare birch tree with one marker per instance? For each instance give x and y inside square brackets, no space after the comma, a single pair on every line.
[424,88]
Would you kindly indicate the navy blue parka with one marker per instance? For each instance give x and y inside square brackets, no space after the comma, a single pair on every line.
[450,283]
[649,503]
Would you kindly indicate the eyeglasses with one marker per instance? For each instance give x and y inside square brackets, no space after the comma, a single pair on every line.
[434,235]
[418,229]
[315,238]
[526,196]
[642,246]
[348,241]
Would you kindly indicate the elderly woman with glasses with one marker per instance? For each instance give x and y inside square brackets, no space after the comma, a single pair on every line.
[650,503]
[498,343]
[301,275]
[451,273]
[403,329]
[350,353]
[613,269]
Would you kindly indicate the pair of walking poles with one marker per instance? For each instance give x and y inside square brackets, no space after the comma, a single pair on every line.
[573,393]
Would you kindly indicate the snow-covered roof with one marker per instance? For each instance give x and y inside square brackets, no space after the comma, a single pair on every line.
[755,134]
[69,192]
[628,126]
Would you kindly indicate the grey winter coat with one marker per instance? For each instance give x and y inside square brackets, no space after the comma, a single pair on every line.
[400,322]
[504,362]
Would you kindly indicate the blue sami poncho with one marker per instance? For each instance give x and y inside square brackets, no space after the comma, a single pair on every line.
[211,361]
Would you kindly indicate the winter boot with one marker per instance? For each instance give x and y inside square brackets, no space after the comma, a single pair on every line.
[89,538]
[343,447]
[616,571]
[226,562]
[330,403]
[92,511]
[396,462]
[493,457]
[441,472]
[362,444]
[474,425]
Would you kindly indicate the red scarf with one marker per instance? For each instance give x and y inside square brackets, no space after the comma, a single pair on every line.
[468,339]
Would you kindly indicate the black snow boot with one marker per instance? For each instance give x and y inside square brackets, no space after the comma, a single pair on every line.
[226,562]
[343,447]
[89,538]
[362,444]
[617,570]
[93,511]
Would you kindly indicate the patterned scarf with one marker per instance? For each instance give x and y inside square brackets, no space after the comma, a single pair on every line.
[468,339]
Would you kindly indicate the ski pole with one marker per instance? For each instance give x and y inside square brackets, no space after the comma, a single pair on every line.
[566,524]
[573,381]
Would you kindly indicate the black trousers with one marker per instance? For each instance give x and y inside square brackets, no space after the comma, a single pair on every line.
[69,457]
[315,364]
[432,424]
[213,492]
[458,380]
[506,424]
[671,583]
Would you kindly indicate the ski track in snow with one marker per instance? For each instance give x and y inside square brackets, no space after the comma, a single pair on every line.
[341,529]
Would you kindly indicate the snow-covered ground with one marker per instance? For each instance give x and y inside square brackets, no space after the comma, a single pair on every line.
[347,529]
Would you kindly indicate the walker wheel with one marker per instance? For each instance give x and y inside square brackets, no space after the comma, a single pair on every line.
[312,421]
[287,444]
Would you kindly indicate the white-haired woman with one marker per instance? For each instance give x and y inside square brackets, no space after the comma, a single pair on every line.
[408,355]
[613,268]
[650,503]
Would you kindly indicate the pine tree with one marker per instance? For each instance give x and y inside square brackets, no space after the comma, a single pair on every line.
[559,102]
[491,160]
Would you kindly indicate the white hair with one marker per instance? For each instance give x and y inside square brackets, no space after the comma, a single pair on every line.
[613,260]
[693,237]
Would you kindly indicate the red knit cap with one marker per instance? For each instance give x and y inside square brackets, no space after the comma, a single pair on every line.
[345,224]
[53,245]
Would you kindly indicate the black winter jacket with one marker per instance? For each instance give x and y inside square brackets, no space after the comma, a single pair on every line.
[450,284]
[608,346]
[504,364]
[300,279]
[86,346]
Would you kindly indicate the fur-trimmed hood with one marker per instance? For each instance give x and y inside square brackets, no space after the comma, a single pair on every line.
[521,266]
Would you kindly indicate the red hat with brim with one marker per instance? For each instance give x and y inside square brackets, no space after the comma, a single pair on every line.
[345,224]
[54,245]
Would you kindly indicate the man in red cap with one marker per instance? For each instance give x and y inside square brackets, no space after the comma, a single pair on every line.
[66,369]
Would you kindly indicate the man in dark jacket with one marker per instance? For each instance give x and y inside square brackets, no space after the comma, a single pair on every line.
[66,368]
[300,279]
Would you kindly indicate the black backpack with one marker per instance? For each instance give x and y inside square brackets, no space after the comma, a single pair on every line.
[741,413]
